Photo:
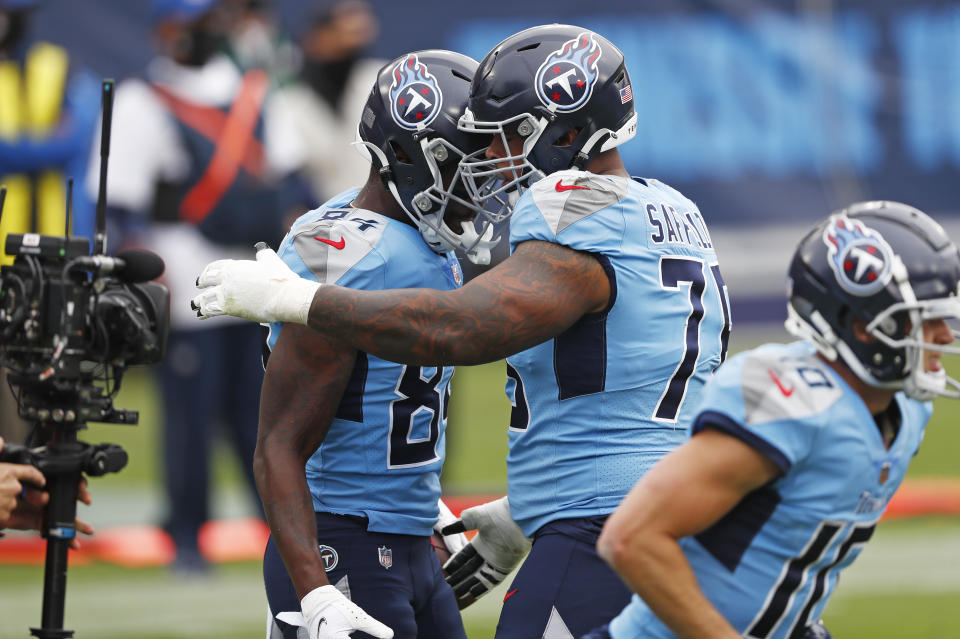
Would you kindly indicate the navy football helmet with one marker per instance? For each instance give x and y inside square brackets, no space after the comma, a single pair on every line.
[409,128]
[892,267]
[539,84]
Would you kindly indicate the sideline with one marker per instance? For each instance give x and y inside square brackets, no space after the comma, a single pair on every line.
[243,538]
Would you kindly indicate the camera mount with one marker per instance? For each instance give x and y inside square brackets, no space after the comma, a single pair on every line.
[62,460]
[70,325]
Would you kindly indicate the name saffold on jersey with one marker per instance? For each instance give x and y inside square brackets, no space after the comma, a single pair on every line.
[680,227]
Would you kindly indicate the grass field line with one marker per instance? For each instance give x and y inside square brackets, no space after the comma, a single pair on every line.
[109,603]
[920,562]
[133,606]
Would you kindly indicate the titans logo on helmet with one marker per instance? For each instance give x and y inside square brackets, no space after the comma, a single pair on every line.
[859,256]
[415,96]
[566,78]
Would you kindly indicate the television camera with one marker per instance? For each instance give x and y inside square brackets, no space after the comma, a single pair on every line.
[71,322]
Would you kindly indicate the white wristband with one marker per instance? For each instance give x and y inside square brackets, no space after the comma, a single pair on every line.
[294,304]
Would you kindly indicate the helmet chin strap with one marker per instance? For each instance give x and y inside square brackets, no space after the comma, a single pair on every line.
[480,245]
[442,238]
[621,135]
[819,334]
[386,175]
[919,383]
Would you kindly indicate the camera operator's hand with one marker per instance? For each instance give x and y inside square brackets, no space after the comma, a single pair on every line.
[19,484]
[261,290]
[22,498]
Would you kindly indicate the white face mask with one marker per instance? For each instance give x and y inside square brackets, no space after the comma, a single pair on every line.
[920,383]
[494,188]
[476,237]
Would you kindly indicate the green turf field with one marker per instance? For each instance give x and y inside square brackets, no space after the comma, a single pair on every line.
[906,584]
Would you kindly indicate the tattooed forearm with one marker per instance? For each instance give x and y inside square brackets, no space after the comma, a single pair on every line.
[541,290]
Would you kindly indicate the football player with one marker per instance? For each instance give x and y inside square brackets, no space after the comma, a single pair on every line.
[796,448]
[350,445]
[611,309]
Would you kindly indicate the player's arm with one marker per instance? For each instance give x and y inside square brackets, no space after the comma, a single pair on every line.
[305,380]
[535,294]
[683,494]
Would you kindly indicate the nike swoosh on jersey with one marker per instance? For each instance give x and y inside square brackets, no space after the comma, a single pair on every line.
[337,245]
[560,187]
[787,392]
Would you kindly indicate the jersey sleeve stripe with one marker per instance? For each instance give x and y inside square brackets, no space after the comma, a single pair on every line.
[724,424]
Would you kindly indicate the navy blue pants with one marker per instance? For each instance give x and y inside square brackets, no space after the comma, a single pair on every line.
[396,579]
[603,632]
[563,588]
[209,375]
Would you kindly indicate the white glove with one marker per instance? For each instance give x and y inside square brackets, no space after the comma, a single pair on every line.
[495,550]
[327,614]
[455,542]
[265,290]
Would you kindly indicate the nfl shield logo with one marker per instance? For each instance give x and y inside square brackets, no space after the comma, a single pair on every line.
[386,556]
[884,473]
[457,273]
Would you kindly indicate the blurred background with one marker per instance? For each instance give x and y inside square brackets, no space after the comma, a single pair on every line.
[769,115]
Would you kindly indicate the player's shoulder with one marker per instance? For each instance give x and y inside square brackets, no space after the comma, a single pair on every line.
[572,183]
[566,197]
[572,187]
[655,189]
[330,240]
[780,382]
[338,218]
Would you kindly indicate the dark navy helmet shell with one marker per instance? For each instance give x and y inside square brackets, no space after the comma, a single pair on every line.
[540,84]
[890,266]
[409,127]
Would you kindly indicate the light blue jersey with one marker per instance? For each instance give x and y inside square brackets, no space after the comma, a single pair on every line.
[599,404]
[382,456]
[770,565]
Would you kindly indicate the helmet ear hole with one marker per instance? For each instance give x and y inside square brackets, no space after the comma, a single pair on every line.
[856,325]
[402,156]
[568,137]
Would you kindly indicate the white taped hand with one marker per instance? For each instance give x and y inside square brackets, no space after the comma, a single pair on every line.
[261,290]
[328,614]
[454,542]
[494,551]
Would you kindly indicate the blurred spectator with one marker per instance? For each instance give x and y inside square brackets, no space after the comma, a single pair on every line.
[48,112]
[254,41]
[335,80]
[201,167]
